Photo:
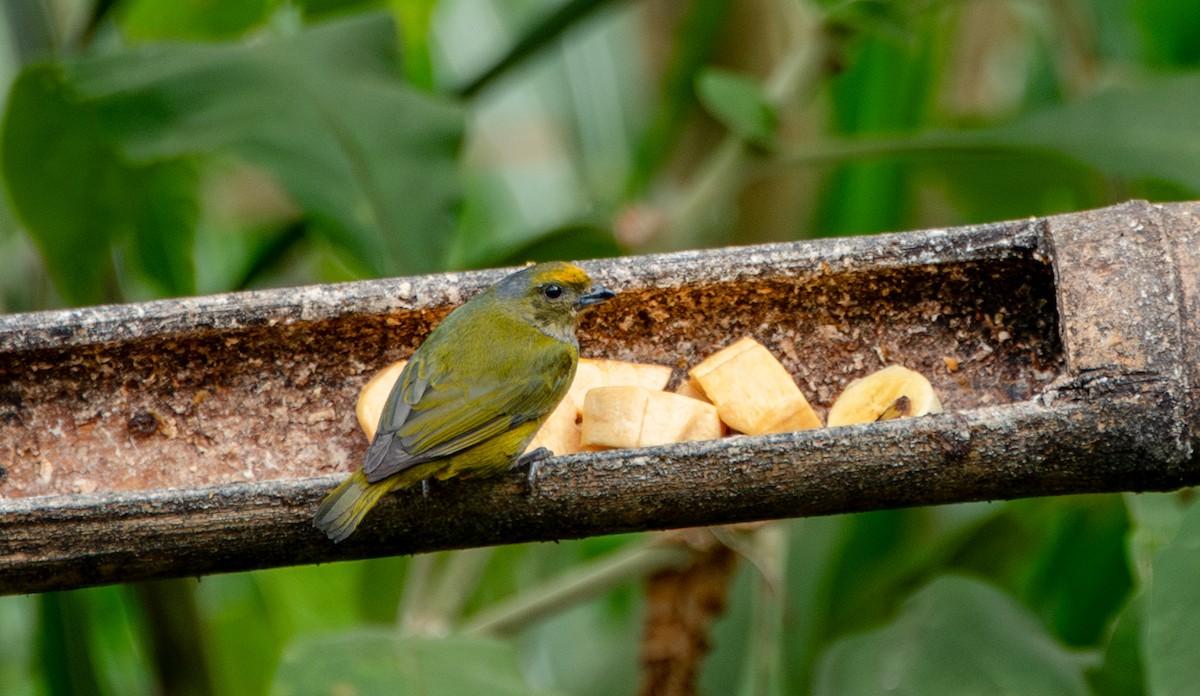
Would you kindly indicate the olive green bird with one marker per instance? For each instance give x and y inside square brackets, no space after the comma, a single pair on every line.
[475,392]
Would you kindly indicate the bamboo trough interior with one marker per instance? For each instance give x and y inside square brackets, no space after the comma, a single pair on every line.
[270,393]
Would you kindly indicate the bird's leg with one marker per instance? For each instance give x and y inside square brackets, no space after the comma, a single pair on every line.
[425,488]
[533,460]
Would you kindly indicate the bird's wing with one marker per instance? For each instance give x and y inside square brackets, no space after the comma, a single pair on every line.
[437,416]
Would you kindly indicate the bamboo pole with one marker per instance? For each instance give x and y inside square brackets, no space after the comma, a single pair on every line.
[193,436]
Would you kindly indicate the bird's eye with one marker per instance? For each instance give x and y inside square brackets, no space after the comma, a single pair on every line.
[552,291]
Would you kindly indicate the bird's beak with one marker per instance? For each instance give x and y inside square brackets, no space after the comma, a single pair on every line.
[596,296]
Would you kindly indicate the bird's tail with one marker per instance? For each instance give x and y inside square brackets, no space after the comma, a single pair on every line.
[346,505]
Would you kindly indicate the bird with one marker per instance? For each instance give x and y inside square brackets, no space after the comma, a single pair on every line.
[475,392]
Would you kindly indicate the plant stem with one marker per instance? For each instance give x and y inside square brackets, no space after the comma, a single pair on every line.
[420,571]
[763,665]
[576,585]
[533,41]
[438,586]
[460,574]
[922,143]
[691,222]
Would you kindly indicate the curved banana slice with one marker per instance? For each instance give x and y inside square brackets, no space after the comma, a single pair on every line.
[374,395]
[893,392]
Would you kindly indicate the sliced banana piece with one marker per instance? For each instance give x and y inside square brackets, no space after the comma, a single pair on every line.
[893,392]
[754,393]
[560,432]
[640,417]
[600,372]
[374,395]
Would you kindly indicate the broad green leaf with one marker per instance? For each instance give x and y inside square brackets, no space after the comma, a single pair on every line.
[882,555]
[78,196]
[193,19]
[164,226]
[382,662]
[577,241]
[1171,627]
[1079,577]
[65,651]
[57,164]
[415,18]
[740,104]
[243,636]
[1007,184]
[956,636]
[1156,519]
[844,573]
[371,161]
[610,625]
[1121,672]
[1169,31]
[309,599]
[321,9]
[612,636]
[885,90]
[1144,131]
[83,643]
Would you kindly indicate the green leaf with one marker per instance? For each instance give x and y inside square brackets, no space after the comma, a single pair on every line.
[322,9]
[1157,518]
[64,647]
[740,104]
[415,18]
[1171,629]
[955,636]
[1121,673]
[78,196]
[1169,31]
[243,634]
[17,614]
[195,19]
[1079,578]
[581,240]
[370,159]
[1145,131]
[164,225]
[381,662]
[56,165]
[885,89]
[372,162]
[1007,185]
[694,41]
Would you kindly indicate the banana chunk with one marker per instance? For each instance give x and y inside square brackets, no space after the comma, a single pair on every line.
[599,372]
[689,387]
[893,392]
[640,417]
[560,432]
[753,392]
[373,397]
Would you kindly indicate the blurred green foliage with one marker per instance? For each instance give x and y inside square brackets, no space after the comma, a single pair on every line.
[152,149]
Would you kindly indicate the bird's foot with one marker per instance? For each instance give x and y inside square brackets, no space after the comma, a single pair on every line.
[532,461]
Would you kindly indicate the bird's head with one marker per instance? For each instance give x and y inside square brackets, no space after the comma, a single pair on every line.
[552,295]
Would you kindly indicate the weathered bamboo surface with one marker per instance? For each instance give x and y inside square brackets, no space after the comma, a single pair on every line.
[193,436]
